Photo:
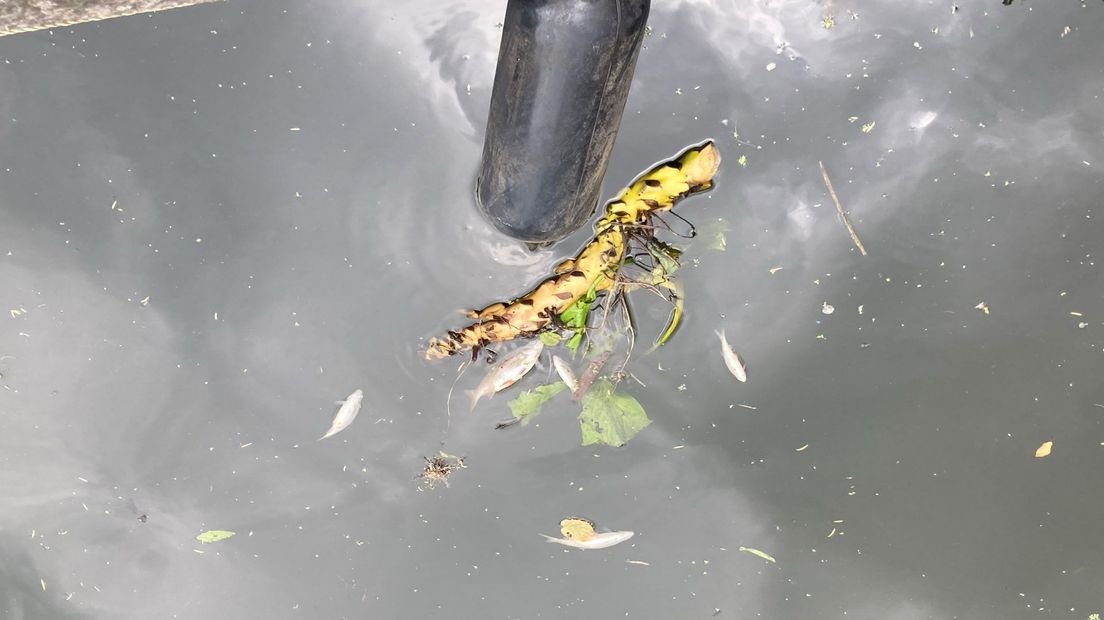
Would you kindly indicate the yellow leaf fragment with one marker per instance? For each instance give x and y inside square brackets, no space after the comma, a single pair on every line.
[759,553]
[983,307]
[1044,450]
[774,270]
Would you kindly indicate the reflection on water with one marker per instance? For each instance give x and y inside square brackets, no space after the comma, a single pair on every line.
[291,188]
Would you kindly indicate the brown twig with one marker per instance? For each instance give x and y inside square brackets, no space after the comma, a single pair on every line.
[591,373]
[839,208]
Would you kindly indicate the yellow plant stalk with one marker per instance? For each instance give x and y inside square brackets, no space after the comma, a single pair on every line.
[596,265]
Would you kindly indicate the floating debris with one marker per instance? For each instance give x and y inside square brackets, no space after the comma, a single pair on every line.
[594,268]
[214,536]
[982,307]
[732,360]
[839,209]
[563,368]
[507,372]
[529,403]
[439,468]
[580,534]
[610,416]
[350,407]
[827,308]
[1044,450]
[774,270]
[759,553]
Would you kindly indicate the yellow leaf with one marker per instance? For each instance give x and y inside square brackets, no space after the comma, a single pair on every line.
[1044,450]
[758,553]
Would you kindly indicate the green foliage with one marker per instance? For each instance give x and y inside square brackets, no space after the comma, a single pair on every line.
[610,417]
[575,316]
[529,403]
[213,536]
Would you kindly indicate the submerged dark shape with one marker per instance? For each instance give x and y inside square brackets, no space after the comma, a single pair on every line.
[564,70]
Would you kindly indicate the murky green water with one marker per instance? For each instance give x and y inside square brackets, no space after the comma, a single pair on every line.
[290,188]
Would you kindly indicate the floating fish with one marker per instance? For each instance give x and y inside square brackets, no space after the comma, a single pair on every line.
[599,541]
[731,360]
[566,374]
[350,407]
[579,533]
[507,372]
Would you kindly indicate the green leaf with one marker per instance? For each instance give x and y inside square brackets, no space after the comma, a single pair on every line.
[575,316]
[610,417]
[575,341]
[529,403]
[213,536]
[676,313]
[550,339]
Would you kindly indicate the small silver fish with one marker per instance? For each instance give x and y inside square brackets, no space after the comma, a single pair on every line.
[563,368]
[350,407]
[731,360]
[507,372]
[598,541]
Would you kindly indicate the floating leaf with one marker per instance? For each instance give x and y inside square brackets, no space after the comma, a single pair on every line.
[1044,450]
[868,127]
[827,22]
[610,417]
[759,553]
[550,339]
[529,402]
[575,316]
[676,313]
[213,536]
[742,161]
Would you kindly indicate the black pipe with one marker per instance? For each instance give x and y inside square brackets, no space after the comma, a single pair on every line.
[564,70]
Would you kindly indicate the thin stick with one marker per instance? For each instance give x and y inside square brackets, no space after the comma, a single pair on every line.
[839,208]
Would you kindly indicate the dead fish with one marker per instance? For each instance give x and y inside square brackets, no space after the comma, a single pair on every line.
[566,374]
[600,540]
[507,371]
[731,360]
[350,407]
